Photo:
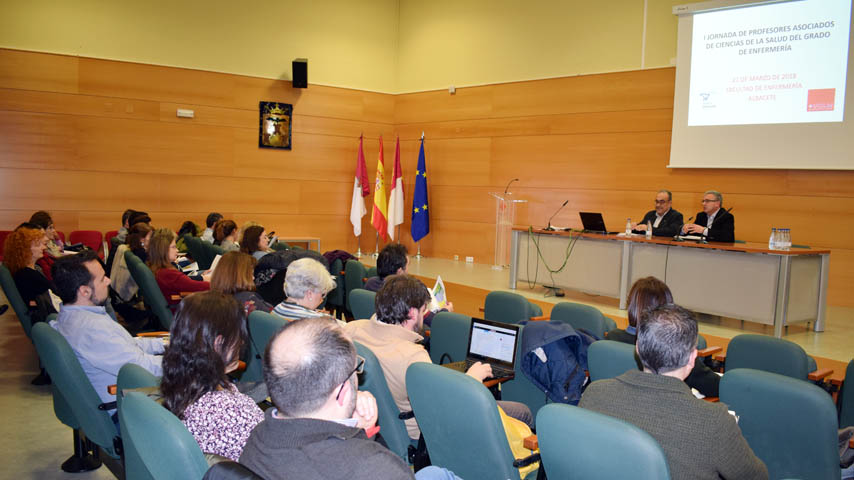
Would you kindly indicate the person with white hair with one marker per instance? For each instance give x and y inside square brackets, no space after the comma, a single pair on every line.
[306,284]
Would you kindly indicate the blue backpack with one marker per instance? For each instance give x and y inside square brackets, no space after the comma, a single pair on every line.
[562,375]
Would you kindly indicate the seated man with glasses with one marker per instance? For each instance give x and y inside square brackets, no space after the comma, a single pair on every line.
[714,223]
[665,221]
[321,421]
[306,284]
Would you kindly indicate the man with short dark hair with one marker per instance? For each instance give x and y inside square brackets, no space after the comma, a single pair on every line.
[317,428]
[392,260]
[208,234]
[394,336]
[700,439]
[100,343]
[665,221]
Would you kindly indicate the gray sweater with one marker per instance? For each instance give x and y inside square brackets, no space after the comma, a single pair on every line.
[700,439]
[312,449]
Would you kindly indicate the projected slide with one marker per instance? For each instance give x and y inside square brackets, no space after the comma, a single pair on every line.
[779,63]
[493,342]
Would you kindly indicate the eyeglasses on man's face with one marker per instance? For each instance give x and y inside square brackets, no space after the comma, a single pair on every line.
[360,367]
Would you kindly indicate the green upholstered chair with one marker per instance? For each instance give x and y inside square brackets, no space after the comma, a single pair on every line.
[362,303]
[460,423]
[508,307]
[581,316]
[579,443]
[449,337]
[790,424]
[609,359]
[133,376]
[151,294]
[392,427]
[521,389]
[846,398]
[69,379]
[775,355]
[371,272]
[354,272]
[22,311]
[335,298]
[262,327]
[195,249]
[279,246]
[161,442]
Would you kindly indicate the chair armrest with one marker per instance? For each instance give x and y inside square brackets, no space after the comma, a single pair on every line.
[112,389]
[708,351]
[851,442]
[495,381]
[531,443]
[406,415]
[175,298]
[107,406]
[524,462]
[712,399]
[819,374]
[32,303]
[721,357]
[541,318]
[152,334]
[241,366]
[837,382]
[364,279]
[342,272]
[481,309]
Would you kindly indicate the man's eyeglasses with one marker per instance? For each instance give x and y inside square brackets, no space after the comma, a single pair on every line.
[660,202]
[706,200]
[360,367]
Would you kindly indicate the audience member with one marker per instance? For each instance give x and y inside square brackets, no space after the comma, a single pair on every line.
[394,336]
[122,234]
[307,282]
[206,338]
[139,217]
[187,228]
[162,254]
[255,242]
[394,260]
[271,269]
[23,247]
[225,235]
[137,241]
[100,343]
[646,294]
[208,234]
[54,243]
[317,429]
[699,438]
[234,276]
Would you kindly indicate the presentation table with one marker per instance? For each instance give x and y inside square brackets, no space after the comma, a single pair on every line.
[746,281]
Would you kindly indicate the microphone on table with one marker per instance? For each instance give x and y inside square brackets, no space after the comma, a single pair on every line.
[676,237]
[550,228]
[508,185]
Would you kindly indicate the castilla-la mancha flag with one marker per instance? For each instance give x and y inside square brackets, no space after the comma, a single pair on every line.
[395,198]
[378,215]
[361,189]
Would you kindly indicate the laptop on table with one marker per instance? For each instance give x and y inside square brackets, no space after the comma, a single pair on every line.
[493,343]
[593,222]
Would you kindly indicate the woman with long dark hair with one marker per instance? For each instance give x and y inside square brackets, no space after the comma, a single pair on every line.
[225,235]
[207,337]
[255,242]
[162,254]
[646,294]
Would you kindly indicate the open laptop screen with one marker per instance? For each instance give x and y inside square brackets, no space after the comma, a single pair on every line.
[493,342]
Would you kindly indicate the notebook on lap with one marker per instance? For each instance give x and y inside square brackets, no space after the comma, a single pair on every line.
[493,343]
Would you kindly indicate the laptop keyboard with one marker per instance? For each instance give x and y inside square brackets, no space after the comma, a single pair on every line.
[497,371]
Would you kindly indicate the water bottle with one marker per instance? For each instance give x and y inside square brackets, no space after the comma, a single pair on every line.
[649,229]
[787,236]
[628,226]
[772,240]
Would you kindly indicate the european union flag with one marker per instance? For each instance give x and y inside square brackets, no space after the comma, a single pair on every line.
[420,214]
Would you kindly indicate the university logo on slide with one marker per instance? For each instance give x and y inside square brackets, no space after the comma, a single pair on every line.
[820,99]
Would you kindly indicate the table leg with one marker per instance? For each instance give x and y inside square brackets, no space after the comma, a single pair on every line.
[625,274]
[782,295]
[821,311]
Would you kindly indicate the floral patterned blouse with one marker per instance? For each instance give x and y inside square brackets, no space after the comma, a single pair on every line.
[221,421]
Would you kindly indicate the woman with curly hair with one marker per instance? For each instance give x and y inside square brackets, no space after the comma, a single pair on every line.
[255,242]
[234,275]
[162,253]
[225,235]
[22,249]
[207,336]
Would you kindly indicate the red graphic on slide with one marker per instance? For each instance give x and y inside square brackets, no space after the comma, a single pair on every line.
[820,99]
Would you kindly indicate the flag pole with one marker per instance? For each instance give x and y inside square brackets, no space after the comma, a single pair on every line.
[377,247]
[418,255]
[359,247]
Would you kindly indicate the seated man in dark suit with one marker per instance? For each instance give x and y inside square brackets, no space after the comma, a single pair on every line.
[699,438]
[714,222]
[665,221]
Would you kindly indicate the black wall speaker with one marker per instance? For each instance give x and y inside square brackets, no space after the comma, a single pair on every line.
[300,73]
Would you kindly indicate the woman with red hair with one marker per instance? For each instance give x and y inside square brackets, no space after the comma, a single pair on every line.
[22,249]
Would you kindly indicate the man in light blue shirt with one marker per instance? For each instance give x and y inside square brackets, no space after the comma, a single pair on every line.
[100,343]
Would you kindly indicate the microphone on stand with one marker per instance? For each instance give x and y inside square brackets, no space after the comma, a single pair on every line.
[508,185]
[676,237]
[550,228]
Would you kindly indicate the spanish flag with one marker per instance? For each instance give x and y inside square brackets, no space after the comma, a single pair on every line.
[378,216]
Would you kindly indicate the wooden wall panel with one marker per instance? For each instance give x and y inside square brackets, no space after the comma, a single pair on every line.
[28,71]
